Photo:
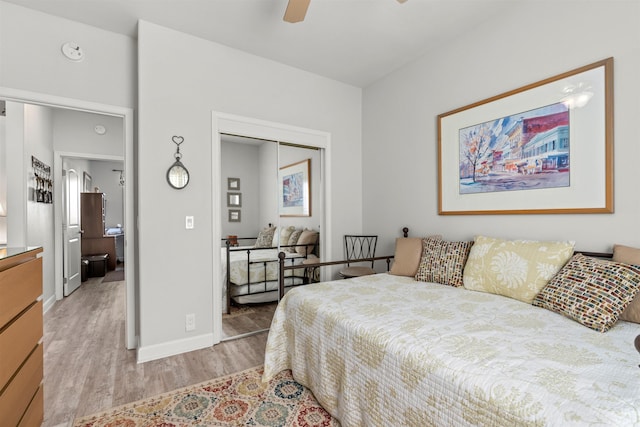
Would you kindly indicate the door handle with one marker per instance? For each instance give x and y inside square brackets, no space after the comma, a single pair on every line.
[81,231]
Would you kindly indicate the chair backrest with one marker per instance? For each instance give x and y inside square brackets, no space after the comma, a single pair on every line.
[360,247]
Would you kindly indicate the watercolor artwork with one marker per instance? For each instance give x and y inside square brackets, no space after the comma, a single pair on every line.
[525,151]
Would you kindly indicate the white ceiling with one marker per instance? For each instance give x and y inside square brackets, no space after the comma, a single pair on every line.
[353,41]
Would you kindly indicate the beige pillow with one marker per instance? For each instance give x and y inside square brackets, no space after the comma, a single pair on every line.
[518,269]
[309,238]
[629,255]
[407,256]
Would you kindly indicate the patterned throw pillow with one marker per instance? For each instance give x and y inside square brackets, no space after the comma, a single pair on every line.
[517,269]
[629,255]
[293,239]
[442,262]
[591,291]
[265,237]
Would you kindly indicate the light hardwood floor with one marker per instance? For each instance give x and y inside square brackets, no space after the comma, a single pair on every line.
[87,367]
[247,318]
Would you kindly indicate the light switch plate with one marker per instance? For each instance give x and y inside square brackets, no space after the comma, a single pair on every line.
[188,223]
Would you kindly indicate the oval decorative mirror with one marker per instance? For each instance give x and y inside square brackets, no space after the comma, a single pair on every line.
[178,175]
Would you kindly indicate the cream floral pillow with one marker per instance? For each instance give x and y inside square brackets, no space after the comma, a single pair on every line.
[517,269]
[283,236]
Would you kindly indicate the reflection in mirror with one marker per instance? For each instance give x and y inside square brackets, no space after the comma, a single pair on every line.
[234,200]
[178,176]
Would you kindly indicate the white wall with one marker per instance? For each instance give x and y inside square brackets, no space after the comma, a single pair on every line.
[31,58]
[17,176]
[74,133]
[38,125]
[3,182]
[182,79]
[533,41]
[103,177]
[241,161]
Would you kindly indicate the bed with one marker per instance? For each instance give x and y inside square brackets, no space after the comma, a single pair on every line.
[251,273]
[387,350]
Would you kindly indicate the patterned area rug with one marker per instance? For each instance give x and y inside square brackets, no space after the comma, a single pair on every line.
[240,399]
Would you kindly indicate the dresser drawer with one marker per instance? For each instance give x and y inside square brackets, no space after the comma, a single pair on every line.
[19,287]
[35,412]
[23,388]
[18,339]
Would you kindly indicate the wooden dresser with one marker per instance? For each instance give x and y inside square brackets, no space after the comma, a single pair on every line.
[92,222]
[21,347]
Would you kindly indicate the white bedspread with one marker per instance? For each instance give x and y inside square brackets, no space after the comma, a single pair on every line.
[388,351]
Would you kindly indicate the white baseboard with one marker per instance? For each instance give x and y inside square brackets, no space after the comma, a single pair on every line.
[46,306]
[158,351]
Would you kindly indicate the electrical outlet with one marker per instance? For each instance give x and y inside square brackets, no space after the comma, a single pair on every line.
[190,322]
[188,223]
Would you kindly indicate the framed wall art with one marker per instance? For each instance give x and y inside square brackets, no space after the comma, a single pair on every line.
[235,215]
[86,182]
[545,148]
[234,200]
[233,184]
[295,189]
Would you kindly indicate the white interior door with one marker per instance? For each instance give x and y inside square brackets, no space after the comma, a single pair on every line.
[71,230]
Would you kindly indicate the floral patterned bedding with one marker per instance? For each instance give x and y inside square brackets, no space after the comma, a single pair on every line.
[386,350]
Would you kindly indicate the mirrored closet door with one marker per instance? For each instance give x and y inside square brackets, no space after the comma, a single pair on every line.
[271,203]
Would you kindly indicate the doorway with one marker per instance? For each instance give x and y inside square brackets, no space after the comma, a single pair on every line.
[18,209]
[93,221]
[225,126]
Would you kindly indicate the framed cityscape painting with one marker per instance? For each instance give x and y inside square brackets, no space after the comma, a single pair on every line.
[295,189]
[544,148]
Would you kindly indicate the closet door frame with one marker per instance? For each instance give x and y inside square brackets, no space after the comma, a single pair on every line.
[261,129]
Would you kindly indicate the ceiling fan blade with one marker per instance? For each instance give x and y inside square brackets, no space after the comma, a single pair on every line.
[296,10]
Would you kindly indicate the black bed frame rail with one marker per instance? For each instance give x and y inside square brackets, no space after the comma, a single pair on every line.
[230,249]
[282,257]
